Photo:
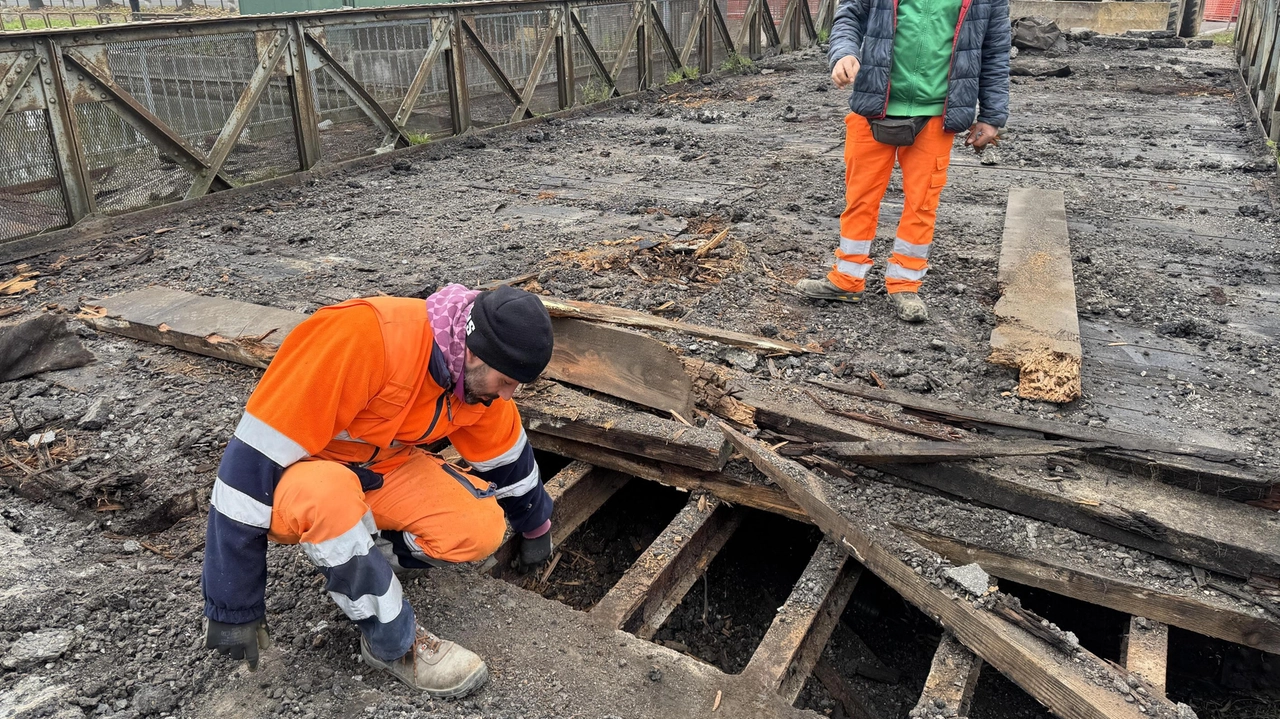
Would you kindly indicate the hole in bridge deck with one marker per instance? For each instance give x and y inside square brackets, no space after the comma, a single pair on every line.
[741,591]
[599,552]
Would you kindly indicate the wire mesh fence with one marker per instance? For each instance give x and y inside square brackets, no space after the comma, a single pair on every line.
[138,115]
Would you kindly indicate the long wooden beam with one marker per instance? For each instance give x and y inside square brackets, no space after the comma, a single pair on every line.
[663,573]
[553,409]
[1068,684]
[1185,611]
[1145,650]
[953,675]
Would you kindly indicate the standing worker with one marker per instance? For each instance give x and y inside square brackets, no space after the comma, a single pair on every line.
[921,70]
[328,455]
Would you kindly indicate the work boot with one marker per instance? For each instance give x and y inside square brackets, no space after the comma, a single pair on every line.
[433,665]
[909,306]
[824,289]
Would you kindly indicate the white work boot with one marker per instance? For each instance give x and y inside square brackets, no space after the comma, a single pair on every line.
[435,666]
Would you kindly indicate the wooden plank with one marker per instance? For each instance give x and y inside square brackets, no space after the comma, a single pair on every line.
[567,489]
[816,602]
[1217,534]
[1078,686]
[621,363]
[1087,584]
[1145,650]
[239,332]
[976,417]
[916,452]
[1037,331]
[675,559]
[948,690]
[815,641]
[550,408]
[758,496]
[654,613]
[631,318]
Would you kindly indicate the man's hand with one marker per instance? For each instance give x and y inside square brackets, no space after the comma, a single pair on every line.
[241,641]
[980,135]
[535,551]
[845,71]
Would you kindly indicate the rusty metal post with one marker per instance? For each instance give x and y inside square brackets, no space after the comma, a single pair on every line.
[564,58]
[456,68]
[644,59]
[707,45]
[303,99]
[64,129]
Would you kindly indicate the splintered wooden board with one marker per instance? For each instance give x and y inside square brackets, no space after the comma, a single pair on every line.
[236,331]
[624,364]
[1037,330]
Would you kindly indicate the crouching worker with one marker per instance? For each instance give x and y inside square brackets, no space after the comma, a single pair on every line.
[921,70]
[328,456]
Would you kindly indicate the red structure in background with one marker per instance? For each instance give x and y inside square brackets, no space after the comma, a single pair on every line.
[1214,10]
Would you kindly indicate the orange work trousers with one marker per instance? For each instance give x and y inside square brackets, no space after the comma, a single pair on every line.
[868,167]
[425,512]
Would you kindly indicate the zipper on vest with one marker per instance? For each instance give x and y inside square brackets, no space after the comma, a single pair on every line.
[888,85]
[440,404]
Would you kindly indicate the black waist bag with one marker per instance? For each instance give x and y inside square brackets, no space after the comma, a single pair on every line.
[897,130]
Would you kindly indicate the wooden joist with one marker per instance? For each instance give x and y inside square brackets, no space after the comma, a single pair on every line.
[552,409]
[799,631]
[855,707]
[661,576]
[1220,535]
[578,490]
[1145,650]
[1037,331]
[621,363]
[758,495]
[1187,611]
[631,318]
[1078,686]
[927,451]
[948,690]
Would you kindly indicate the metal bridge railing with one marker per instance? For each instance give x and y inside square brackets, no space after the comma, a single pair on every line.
[1257,45]
[112,119]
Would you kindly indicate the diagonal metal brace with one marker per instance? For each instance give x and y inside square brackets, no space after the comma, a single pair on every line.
[661,31]
[439,42]
[143,120]
[592,55]
[362,98]
[539,63]
[16,79]
[495,71]
[230,132]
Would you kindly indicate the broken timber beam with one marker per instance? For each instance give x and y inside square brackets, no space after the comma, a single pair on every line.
[854,706]
[1217,534]
[1073,687]
[953,676]
[552,409]
[1037,331]
[1198,468]
[758,496]
[631,318]
[1145,650]
[660,577]
[1186,611]
[629,365]
[927,451]
[800,630]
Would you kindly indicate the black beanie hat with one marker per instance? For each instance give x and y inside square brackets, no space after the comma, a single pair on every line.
[510,331]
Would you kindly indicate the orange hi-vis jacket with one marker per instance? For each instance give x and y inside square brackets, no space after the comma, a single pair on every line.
[361,383]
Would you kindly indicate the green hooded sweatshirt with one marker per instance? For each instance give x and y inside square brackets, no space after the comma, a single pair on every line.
[922,45]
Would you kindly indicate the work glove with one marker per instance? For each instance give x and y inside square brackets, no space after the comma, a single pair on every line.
[535,551]
[241,641]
